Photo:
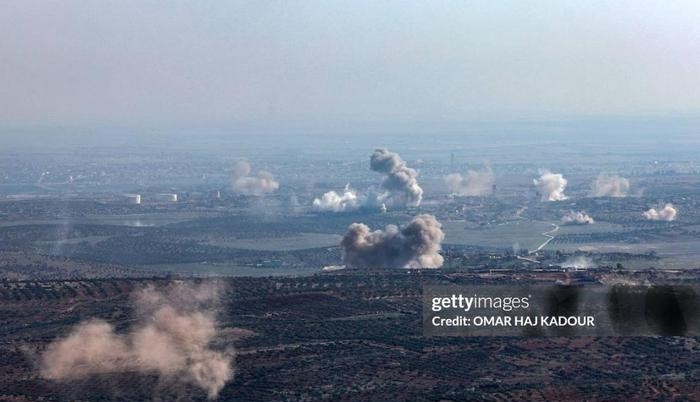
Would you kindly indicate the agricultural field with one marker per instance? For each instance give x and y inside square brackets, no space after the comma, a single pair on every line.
[347,336]
[502,236]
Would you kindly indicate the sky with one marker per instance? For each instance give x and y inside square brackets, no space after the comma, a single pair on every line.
[344,63]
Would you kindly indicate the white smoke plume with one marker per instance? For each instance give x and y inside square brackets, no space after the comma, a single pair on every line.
[551,186]
[171,339]
[400,184]
[416,245]
[579,262]
[474,183]
[332,201]
[243,183]
[577,218]
[398,189]
[610,186]
[667,213]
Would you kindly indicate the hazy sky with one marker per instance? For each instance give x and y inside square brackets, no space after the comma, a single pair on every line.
[344,62]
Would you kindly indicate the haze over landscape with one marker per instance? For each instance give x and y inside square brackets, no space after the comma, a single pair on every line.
[329,66]
[246,200]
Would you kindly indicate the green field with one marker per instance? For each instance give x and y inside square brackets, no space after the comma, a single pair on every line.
[227,269]
[522,233]
[301,241]
[674,253]
[597,227]
[135,220]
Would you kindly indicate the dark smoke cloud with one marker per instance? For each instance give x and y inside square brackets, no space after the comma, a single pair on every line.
[171,339]
[243,183]
[400,184]
[416,245]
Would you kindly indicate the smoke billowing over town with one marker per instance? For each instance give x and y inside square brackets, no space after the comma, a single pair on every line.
[415,245]
[291,201]
[400,185]
[577,218]
[255,185]
[551,186]
[398,189]
[666,213]
[610,186]
[335,202]
[474,183]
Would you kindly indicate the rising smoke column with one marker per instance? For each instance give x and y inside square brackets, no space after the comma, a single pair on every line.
[577,218]
[578,262]
[243,183]
[610,186]
[474,183]
[398,189]
[171,339]
[400,184]
[416,245]
[332,201]
[667,213]
[551,186]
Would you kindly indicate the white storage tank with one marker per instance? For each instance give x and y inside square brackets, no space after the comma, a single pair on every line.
[133,199]
[167,197]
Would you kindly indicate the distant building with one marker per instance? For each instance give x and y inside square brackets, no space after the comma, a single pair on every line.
[133,199]
[167,197]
